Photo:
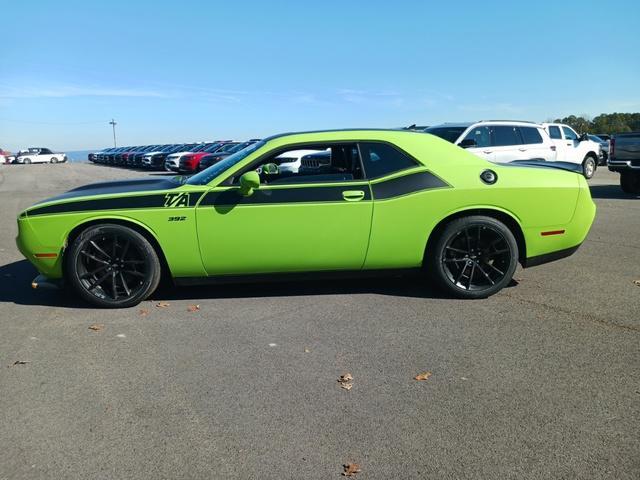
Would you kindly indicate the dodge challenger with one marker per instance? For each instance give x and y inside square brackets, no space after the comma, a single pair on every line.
[379,202]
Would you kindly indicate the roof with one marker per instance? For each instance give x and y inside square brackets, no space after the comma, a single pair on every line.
[335,130]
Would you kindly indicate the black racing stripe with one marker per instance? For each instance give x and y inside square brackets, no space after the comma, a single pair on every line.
[283,195]
[118,203]
[415,182]
[118,187]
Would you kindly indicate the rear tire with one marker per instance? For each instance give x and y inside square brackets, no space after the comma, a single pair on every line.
[112,266]
[589,165]
[53,160]
[630,182]
[26,161]
[473,257]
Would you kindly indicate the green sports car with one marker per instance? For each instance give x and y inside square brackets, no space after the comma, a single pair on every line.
[356,202]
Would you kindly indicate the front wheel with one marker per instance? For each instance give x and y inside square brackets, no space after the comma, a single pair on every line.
[630,182]
[53,160]
[26,161]
[474,257]
[589,166]
[112,266]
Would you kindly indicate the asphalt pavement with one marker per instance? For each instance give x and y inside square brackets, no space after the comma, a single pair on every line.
[539,381]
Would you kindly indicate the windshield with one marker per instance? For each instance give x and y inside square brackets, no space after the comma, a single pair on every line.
[450,134]
[216,169]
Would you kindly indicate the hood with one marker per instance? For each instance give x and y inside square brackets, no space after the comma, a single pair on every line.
[154,153]
[569,167]
[117,187]
[179,154]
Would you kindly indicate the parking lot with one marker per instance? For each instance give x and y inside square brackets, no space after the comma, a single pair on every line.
[542,380]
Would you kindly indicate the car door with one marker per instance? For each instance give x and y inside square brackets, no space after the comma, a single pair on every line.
[507,144]
[481,137]
[555,134]
[302,223]
[534,146]
[572,145]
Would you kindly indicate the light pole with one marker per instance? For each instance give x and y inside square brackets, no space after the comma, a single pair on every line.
[113,124]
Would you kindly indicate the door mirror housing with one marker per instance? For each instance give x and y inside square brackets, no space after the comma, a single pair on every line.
[249,181]
[468,143]
[584,137]
[270,169]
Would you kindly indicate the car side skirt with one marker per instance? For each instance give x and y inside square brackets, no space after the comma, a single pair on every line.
[549,257]
[295,276]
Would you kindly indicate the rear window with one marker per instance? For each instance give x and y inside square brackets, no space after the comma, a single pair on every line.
[381,159]
[450,134]
[530,135]
[504,135]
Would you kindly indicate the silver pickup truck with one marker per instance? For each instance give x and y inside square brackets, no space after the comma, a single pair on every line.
[624,157]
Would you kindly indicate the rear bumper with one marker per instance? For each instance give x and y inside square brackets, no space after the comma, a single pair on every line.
[549,257]
[623,165]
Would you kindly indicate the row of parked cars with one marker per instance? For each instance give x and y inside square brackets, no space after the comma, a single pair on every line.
[182,158]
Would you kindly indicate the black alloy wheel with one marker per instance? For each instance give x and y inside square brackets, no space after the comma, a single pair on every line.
[112,266]
[474,257]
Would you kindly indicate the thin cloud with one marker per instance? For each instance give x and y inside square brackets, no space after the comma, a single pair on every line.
[70,91]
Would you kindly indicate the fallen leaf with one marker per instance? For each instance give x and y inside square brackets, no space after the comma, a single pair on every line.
[20,362]
[346,386]
[636,283]
[306,350]
[350,469]
[143,312]
[347,377]
[193,308]
[423,376]
[162,304]
[96,327]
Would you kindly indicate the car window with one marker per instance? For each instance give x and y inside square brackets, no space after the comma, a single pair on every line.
[381,159]
[322,163]
[554,132]
[480,135]
[530,135]
[505,135]
[450,134]
[216,169]
[569,134]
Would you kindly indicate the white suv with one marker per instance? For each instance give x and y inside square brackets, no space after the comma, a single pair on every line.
[574,148]
[499,141]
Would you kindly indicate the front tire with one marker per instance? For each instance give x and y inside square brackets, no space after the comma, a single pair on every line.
[630,182]
[112,266]
[26,161]
[589,165]
[53,160]
[473,257]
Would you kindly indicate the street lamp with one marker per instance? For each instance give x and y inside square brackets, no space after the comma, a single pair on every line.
[113,124]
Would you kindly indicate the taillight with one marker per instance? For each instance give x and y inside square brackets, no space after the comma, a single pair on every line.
[612,147]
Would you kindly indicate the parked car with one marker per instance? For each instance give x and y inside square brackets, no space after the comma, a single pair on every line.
[624,158]
[40,155]
[190,162]
[291,161]
[6,157]
[574,148]
[499,141]
[172,162]
[155,160]
[604,148]
[604,136]
[211,158]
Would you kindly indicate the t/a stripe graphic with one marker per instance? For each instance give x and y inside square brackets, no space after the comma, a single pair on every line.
[176,200]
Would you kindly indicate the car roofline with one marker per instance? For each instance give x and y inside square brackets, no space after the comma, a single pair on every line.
[337,130]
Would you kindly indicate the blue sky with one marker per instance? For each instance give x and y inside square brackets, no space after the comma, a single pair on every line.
[189,70]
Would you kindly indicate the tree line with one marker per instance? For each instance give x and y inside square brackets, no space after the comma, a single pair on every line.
[603,123]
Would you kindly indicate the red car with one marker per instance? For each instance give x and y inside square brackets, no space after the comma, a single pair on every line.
[190,162]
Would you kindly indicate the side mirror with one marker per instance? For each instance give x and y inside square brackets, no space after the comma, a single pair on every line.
[584,137]
[468,143]
[270,169]
[249,182]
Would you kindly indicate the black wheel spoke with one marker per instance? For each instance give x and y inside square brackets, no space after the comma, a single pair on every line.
[114,287]
[486,275]
[92,273]
[133,262]
[115,245]
[455,260]
[93,257]
[466,234]
[448,247]
[135,273]
[125,249]
[461,273]
[124,285]
[95,245]
[496,269]
[97,282]
[473,270]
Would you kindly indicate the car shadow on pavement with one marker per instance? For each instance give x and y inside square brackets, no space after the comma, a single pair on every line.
[16,277]
[612,192]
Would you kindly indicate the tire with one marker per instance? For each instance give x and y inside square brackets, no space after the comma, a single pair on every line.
[53,160]
[112,266]
[589,165]
[473,257]
[26,161]
[630,182]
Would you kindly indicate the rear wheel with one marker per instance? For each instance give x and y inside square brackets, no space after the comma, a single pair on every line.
[26,161]
[53,160]
[589,166]
[112,266]
[630,182]
[474,257]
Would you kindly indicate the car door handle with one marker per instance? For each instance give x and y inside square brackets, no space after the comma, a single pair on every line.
[487,151]
[353,195]
[570,144]
[522,149]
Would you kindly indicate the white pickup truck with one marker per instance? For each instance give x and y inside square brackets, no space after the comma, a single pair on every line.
[574,148]
[40,155]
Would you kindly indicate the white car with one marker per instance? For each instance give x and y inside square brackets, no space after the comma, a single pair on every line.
[290,161]
[574,148]
[499,141]
[40,155]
